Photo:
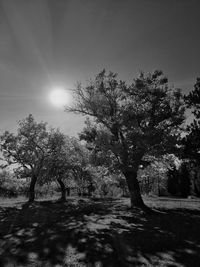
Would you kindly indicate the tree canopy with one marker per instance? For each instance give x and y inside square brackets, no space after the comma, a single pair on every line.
[29,149]
[192,140]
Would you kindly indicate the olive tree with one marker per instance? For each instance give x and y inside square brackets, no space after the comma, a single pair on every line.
[28,149]
[60,162]
[67,163]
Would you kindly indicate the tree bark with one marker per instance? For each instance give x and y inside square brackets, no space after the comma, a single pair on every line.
[63,190]
[32,189]
[134,189]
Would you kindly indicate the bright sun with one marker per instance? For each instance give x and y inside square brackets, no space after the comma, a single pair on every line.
[59,97]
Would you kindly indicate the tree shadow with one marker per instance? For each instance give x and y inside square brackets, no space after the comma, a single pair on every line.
[97,233]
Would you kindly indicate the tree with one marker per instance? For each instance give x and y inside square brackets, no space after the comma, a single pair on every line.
[193,99]
[55,166]
[81,168]
[191,141]
[29,148]
[67,163]
[62,160]
[130,121]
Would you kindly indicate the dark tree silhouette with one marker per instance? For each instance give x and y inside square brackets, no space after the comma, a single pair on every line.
[192,141]
[130,121]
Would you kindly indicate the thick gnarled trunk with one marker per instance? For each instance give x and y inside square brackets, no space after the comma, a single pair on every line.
[134,189]
[32,189]
[63,190]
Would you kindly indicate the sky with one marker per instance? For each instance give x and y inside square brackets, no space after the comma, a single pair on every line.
[46,44]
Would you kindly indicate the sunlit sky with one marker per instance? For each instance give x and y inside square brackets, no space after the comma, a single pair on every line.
[47,44]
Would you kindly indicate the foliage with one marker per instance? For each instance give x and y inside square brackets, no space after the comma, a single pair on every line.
[105,182]
[57,163]
[154,177]
[45,156]
[179,180]
[10,186]
[192,141]
[193,99]
[29,149]
[81,167]
[68,164]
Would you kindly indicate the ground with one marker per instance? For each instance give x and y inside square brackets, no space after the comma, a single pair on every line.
[99,232]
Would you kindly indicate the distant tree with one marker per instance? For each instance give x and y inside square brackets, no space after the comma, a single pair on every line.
[56,165]
[29,148]
[63,163]
[103,180]
[130,121]
[68,163]
[156,177]
[81,169]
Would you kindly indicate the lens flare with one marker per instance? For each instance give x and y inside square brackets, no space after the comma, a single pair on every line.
[59,97]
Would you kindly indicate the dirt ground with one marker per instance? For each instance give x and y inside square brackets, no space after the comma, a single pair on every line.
[99,232]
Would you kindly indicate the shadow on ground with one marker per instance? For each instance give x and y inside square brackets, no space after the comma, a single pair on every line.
[97,233]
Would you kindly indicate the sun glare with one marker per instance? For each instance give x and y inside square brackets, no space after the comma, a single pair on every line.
[59,97]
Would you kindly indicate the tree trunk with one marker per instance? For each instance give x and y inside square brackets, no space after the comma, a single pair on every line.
[32,189]
[68,191]
[158,180]
[134,189]
[63,190]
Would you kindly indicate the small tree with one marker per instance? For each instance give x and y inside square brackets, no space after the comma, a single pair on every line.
[28,149]
[59,163]
[81,168]
[67,161]
[130,121]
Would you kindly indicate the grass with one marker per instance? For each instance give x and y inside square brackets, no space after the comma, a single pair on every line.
[101,232]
